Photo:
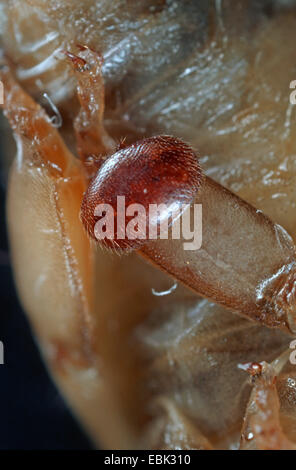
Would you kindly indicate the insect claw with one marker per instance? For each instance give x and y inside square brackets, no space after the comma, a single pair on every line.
[79,63]
[121,144]
[83,47]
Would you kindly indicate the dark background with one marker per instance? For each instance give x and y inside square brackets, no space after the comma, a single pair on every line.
[33,414]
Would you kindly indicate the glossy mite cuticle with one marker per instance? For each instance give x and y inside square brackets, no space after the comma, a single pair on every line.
[156,170]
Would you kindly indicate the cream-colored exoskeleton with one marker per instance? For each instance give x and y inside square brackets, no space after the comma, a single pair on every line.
[83,313]
[53,257]
[80,321]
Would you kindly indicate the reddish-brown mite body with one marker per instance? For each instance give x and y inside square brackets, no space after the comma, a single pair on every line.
[157,170]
